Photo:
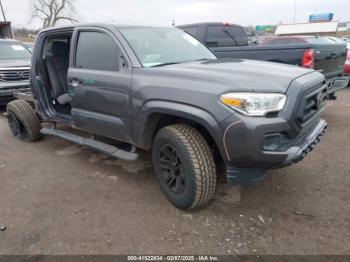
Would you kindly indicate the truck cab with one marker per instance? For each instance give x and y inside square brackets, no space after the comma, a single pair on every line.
[217,34]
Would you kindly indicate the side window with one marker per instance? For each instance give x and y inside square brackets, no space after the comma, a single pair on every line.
[97,51]
[193,31]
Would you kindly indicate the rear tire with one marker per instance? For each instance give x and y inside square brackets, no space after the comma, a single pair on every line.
[184,166]
[24,122]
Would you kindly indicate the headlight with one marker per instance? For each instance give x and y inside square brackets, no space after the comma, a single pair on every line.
[254,104]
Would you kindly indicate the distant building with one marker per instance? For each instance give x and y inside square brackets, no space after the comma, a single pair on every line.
[319,28]
[343,29]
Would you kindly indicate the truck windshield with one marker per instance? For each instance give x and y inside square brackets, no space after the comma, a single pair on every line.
[164,46]
[13,51]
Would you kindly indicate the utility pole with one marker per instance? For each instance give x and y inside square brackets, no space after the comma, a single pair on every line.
[2,10]
[295,10]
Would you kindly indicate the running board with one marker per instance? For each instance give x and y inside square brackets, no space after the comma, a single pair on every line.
[89,142]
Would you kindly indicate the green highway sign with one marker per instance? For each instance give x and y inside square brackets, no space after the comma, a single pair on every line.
[264,28]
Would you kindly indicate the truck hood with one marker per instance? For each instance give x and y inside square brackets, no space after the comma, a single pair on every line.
[238,74]
[4,63]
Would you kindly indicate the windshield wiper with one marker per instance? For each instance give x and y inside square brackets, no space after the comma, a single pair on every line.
[175,63]
[165,64]
[202,59]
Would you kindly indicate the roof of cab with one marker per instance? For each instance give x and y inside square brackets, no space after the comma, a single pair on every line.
[72,26]
[209,23]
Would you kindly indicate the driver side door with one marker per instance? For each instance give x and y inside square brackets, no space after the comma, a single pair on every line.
[100,84]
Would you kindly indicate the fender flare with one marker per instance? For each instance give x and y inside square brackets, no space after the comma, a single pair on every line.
[145,124]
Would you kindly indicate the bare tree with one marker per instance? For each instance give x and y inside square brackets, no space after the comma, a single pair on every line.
[50,12]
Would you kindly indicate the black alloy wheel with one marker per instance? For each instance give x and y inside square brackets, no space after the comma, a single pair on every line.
[172,169]
[184,166]
[16,126]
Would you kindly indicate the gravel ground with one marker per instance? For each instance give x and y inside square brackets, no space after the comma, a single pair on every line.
[58,198]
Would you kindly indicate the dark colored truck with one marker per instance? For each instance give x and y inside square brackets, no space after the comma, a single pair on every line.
[319,53]
[14,69]
[161,90]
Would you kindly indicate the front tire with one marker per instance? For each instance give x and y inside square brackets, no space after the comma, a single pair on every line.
[184,166]
[23,121]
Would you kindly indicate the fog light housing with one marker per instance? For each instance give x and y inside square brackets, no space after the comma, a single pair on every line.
[272,142]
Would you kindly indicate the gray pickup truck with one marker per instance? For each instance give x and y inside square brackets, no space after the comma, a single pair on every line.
[160,89]
[14,69]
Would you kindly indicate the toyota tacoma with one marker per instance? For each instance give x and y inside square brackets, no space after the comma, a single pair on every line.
[160,89]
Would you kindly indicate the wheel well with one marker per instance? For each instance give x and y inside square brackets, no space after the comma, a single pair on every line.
[163,120]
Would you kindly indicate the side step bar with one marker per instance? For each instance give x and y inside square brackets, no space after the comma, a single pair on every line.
[97,145]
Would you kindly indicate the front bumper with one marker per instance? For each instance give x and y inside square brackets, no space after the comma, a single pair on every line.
[253,145]
[246,146]
[253,164]
[7,90]
[298,153]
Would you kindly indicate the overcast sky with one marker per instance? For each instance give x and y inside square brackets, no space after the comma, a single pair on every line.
[162,12]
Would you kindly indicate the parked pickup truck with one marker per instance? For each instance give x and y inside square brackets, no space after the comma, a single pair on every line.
[319,53]
[14,69]
[159,89]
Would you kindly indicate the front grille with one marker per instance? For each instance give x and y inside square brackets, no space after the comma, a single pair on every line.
[312,102]
[14,75]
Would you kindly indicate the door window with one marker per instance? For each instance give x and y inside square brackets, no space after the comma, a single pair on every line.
[97,51]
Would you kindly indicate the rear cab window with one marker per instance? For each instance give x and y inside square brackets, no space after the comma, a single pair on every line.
[222,35]
[97,51]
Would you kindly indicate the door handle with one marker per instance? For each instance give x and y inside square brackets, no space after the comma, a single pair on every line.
[75,83]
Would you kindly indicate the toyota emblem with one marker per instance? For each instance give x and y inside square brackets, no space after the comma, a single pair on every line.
[20,74]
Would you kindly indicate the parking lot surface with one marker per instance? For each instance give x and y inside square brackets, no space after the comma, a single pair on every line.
[59,198]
